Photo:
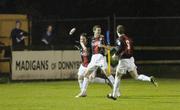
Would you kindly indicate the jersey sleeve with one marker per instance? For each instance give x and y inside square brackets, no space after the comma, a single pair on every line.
[118,46]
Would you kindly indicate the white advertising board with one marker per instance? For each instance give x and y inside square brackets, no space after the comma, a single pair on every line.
[32,65]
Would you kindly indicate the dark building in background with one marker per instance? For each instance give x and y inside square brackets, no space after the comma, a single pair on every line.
[91,8]
[43,12]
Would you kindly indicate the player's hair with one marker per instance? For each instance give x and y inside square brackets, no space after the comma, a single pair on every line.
[83,34]
[49,25]
[96,26]
[120,29]
[18,21]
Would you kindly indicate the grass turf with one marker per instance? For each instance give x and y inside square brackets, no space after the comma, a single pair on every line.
[59,95]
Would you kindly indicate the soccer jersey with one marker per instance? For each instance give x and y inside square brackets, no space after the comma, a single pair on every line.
[95,45]
[124,47]
[85,56]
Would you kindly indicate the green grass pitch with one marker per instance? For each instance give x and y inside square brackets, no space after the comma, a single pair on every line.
[60,95]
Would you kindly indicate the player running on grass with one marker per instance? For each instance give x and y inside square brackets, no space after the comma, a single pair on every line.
[126,62]
[97,59]
[86,56]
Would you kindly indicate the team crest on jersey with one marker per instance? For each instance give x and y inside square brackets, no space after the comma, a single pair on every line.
[84,53]
[95,43]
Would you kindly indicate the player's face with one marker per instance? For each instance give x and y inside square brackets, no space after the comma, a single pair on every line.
[97,31]
[83,39]
[49,29]
[18,25]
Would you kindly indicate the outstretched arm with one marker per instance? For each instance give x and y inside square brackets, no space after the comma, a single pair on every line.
[83,46]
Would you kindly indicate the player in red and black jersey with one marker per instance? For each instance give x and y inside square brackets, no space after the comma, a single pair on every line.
[85,56]
[96,43]
[85,52]
[98,60]
[124,46]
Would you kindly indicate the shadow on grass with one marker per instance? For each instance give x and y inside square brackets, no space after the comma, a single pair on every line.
[139,97]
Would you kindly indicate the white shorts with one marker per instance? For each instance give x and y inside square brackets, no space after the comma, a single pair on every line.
[125,65]
[97,60]
[105,63]
[82,70]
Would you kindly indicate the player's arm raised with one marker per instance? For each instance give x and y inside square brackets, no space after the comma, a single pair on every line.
[82,45]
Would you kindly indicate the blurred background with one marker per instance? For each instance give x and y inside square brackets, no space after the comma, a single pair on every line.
[153,25]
